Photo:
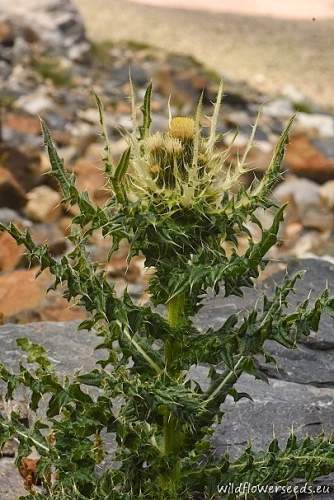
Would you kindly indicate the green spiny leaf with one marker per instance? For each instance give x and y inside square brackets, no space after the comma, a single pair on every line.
[146,111]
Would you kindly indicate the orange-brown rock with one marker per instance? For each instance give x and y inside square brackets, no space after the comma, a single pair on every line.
[304,159]
[90,178]
[21,291]
[24,298]
[28,471]
[10,252]
[22,123]
[7,33]
[11,193]
[123,107]
[57,308]
[119,267]
[23,165]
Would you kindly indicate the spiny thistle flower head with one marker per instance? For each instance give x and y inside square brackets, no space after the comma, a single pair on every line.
[179,167]
[154,142]
[182,128]
[161,144]
[172,146]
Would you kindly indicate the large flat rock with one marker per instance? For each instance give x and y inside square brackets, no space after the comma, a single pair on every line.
[11,484]
[313,361]
[275,409]
[68,349]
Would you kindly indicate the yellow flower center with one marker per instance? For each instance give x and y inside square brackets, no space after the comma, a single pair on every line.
[182,127]
[155,169]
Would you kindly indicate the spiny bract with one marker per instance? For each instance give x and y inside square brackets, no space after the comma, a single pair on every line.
[180,167]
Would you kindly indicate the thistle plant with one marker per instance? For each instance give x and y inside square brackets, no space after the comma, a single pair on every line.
[179,201]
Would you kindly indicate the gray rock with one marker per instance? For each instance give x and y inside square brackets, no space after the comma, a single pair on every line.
[120,75]
[5,70]
[7,215]
[318,273]
[303,365]
[325,145]
[68,348]
[21,52]
[278,108]
[11,484]
[35,103]
[303,395]
[304,192]
[307,207]
[294,94]
[276,408]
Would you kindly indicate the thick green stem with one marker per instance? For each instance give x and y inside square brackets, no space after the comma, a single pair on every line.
[175,309]
[170,431]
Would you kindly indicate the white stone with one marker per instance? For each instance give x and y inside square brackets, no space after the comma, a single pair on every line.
[306,203]
[292,93]
[322,124]
[278,108]
[303,191]
[34,103]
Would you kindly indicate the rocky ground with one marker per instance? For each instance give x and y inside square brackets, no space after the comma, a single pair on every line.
[48,68]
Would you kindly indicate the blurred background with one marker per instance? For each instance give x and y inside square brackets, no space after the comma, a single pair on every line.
[276,57]
[270,44]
